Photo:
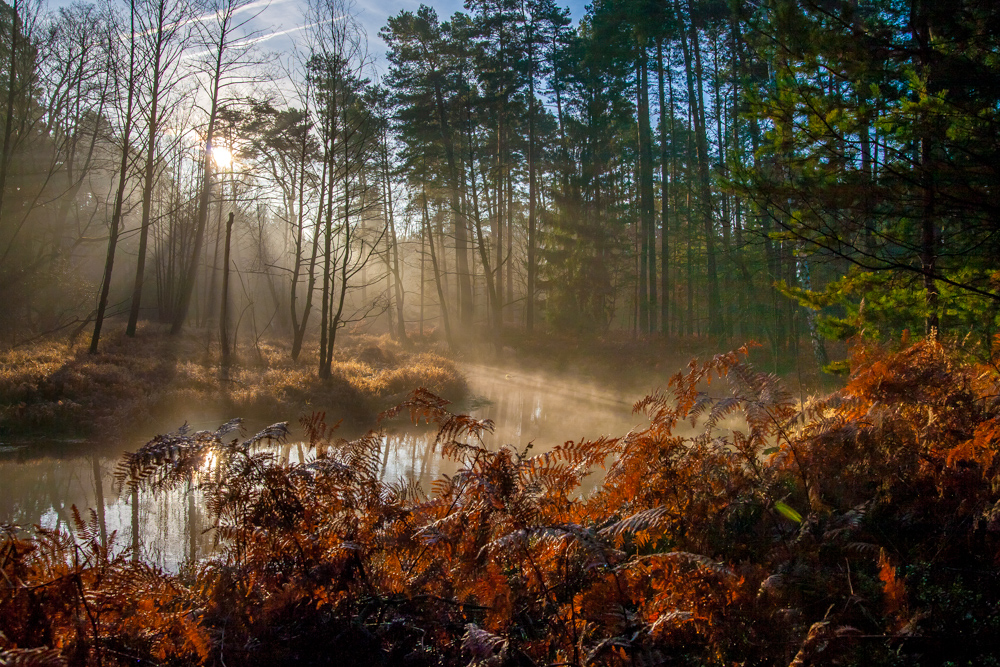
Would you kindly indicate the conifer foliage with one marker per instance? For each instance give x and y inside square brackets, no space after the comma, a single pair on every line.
[739,527]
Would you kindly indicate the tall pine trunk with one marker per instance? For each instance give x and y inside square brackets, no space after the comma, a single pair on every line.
[664,198]
[529,313]
[693,70]
[647,280]
[442,300]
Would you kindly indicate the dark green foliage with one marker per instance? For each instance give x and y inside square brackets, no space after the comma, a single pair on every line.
[881,155]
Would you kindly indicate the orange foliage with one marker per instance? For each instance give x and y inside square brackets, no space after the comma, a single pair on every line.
[858,529]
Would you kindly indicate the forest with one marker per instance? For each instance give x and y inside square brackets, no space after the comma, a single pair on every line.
[687,168]
[802,194]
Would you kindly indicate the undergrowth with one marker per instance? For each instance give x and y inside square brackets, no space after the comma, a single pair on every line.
[58,388]
[634,363]
[862,529]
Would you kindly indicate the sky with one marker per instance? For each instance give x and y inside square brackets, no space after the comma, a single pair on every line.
[279,23]
[283,19]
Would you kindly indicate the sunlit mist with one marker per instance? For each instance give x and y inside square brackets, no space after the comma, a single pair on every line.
[222,157]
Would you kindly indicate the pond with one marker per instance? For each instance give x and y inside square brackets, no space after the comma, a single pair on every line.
[169,528]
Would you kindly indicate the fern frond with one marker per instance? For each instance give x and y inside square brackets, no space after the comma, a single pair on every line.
[670,619]
[32,657]
[641,521]
[684,558]
[423,405]
[485,648]
[275,433]
[168,460]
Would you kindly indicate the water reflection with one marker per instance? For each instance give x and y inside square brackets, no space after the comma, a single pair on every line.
[170,528]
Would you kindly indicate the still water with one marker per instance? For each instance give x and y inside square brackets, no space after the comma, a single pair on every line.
[170,527]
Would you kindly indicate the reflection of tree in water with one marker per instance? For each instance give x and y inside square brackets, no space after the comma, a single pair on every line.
[410,454]
[168,529]
[43,491]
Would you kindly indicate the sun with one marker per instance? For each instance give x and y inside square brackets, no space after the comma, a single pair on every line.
[222,157]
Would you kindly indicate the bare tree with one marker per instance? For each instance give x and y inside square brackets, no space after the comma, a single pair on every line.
[224,62]
[163,26]
[126,80]
[337,64]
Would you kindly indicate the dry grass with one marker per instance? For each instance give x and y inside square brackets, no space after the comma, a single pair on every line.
[59,389]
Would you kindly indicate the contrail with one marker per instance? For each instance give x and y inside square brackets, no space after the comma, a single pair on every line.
[205,17]
[211,15]
[264,38]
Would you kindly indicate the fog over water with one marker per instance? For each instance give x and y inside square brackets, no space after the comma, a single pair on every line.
[527,407]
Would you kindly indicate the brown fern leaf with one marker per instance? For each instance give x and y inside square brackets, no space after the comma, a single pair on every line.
[32,657]
[95,551]
[483,647]
[168,460]
[316,428]
[686,559]
[823,643]
[721,409]
[455,428]
[645,520]
[275,433]
[670,620]
[428,407]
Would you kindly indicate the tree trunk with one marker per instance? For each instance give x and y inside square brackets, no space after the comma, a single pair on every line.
[325,364]
[509,258]
[148,176]
[928,237]
[116,215]
[498,224]
[664,198]
[458,220]
[647,274]
[393,250]
[442,301]
[299,328]
[224,308]
[484,255]
[696,101]
[529,313]
[728,316]
[7,149]
[190,272]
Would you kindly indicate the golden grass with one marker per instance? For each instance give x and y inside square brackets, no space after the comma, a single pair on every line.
[58,388]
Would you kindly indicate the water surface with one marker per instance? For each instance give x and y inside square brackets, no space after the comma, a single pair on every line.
[170,527]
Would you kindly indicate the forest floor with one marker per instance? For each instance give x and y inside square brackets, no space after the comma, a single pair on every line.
[56,389]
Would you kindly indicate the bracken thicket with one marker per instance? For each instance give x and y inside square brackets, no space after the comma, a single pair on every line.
[740,527]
